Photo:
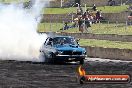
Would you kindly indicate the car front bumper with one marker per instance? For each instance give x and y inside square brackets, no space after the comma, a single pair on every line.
[72,56]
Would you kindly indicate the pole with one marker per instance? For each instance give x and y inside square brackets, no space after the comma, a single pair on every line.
[72,17]
[121,2]
[50,24]
[116,24]
[85,7]
[61,3]
[99,24]
[126,25]
[63,27]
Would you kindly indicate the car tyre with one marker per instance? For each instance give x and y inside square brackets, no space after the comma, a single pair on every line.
[82,80]
[53,59]
[82,61]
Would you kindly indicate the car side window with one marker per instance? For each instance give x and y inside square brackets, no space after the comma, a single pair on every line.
[45,43]
[48,42]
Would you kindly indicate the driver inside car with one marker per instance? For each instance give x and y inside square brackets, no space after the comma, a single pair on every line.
[62,41]
[50,42]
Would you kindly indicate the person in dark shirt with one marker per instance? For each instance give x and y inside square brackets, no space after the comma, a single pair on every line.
[80,24]
[98,16]
[86,13]
[94,7]
[111,2]
[131,14]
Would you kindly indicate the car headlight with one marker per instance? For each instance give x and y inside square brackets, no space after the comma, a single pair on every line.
[84,53]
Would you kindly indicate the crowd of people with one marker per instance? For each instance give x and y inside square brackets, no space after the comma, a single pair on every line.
[83,20]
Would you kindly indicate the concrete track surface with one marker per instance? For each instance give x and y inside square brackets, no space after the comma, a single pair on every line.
[16,74]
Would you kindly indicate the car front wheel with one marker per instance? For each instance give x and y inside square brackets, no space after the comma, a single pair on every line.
[82,61]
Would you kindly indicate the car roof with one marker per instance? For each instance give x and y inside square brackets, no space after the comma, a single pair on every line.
[63,36]
[54,35]
[60,36]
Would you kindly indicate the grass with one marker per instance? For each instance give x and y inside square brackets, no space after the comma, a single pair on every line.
[94,42]
[46,27]
[113,9]
[105,29]
[102,28]
[9,1]
[106,43]
[59,10]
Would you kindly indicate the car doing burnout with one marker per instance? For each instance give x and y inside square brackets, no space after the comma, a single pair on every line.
[62,49]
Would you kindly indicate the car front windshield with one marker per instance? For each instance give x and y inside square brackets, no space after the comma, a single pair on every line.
[64,40]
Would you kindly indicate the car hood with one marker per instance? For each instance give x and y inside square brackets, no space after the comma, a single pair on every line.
[68,47]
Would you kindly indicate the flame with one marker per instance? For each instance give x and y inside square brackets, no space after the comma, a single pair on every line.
[81,71]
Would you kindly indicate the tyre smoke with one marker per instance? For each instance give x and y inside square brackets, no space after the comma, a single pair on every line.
[19,39]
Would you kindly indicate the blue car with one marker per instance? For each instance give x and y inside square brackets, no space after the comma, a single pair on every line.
[62,49]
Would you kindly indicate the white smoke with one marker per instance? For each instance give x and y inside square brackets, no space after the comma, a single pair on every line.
[18,37]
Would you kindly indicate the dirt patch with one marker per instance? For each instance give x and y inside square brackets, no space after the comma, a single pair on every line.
[29,75]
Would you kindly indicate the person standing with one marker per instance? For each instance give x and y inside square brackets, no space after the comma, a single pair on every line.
[80,24]
[94,8]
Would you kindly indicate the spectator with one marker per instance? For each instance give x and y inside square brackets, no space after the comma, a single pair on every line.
[130,8]
[98,16]
[130,16]
[80,24]
[111,3]
[86,13]
[87,18]
[130,19]
[94,7]
[75,24]
[87,22]
[66,27]
[79,11]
